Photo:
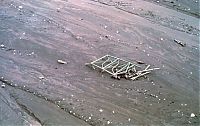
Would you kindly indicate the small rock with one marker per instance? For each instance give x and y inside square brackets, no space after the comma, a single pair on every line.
[61,62]
[2,46]
[100,110]
[41,77]
[140,62]
[20,7]
[58,9]
[192,115]
[3,85]
[180,43]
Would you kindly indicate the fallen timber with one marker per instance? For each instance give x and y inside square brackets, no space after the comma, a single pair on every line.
[119,68]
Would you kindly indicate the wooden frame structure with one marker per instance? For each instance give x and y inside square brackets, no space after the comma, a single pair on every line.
[119,68]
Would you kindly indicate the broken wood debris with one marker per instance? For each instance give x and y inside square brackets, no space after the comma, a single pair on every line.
[61,62]
[140,62]
[119,68]
[180,42]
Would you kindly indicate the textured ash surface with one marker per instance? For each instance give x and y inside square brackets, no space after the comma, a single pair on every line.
[34,34]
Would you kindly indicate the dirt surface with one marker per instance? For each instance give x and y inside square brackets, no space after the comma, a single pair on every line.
[35,34]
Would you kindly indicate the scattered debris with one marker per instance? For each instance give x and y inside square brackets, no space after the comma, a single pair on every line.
[192,115]
[140,62]
[41,77]
[20,7]
[100,110]
[180,43]
[3,85]
[119,68]
[61,62]
[2,45]
[58,9]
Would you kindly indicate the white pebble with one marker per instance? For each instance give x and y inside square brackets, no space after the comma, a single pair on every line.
[20,7]
[100,110]
[61,62]
[2,45]
[41,77]
[3,85]
[192,115]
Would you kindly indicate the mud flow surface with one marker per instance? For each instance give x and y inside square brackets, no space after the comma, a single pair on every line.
[44,45]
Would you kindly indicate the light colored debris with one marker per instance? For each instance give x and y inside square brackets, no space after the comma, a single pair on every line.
[2,45]
[61,62]
[41,77]
[119,68]
[140,62]
[20,7]
[192,115]
[3,85]
[58,9]
[180,42]
[100,110]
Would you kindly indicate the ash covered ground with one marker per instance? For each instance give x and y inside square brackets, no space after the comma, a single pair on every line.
[37,90]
